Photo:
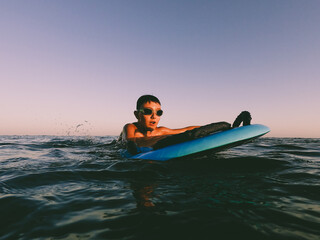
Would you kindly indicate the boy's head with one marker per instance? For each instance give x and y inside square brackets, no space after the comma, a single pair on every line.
[148,112]
[146,98]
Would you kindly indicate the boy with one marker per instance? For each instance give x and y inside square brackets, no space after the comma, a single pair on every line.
[146,133]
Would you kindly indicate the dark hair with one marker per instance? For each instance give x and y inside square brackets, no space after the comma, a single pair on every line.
[147,98]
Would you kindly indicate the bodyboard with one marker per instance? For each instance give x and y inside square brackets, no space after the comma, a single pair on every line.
[212,143]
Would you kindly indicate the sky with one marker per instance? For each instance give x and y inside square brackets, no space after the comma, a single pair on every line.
[77,67]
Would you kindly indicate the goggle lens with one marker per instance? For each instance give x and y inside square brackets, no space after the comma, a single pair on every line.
[148,111]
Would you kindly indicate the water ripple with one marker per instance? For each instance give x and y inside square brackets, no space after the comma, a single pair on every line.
[81,188]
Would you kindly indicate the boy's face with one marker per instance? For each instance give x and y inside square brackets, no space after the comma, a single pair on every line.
[149,122]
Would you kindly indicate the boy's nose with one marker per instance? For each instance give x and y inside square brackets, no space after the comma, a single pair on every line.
[152,115]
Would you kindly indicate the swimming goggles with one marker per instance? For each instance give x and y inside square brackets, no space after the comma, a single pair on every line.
[148,111]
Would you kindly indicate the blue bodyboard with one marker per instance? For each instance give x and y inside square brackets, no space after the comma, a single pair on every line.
[212,143]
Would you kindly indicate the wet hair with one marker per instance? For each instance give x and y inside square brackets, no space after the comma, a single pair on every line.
[146,98]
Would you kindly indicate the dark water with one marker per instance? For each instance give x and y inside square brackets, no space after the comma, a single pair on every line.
[81,188]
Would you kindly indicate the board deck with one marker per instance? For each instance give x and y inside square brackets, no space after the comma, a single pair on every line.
[212,143]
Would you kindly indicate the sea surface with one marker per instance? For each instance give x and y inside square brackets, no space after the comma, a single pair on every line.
[81,188]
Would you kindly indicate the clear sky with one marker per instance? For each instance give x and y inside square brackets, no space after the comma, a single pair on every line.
[78,66]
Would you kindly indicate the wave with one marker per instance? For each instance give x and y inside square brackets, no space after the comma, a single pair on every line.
[81,187]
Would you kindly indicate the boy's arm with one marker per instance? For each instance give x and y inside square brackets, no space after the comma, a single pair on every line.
[132,142]
[128,135]
[168,131]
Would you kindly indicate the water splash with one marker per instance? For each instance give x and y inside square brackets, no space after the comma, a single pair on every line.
[80,129]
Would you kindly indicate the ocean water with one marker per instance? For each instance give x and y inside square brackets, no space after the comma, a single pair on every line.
[81,188]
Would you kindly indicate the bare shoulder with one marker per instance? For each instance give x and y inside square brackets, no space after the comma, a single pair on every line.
[129,126]
[129,130]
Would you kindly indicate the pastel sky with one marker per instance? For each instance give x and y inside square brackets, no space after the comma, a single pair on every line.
[78,67]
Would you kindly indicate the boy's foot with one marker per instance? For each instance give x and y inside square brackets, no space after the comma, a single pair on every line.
[244,117]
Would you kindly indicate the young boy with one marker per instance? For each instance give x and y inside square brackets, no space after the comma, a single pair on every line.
[145,132]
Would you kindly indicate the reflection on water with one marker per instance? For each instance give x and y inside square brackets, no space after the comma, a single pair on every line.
[143,195]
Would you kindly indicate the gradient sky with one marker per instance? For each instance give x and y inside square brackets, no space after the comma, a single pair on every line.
[78,67]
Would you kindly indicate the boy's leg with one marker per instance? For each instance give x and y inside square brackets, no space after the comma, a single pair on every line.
[244,117]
